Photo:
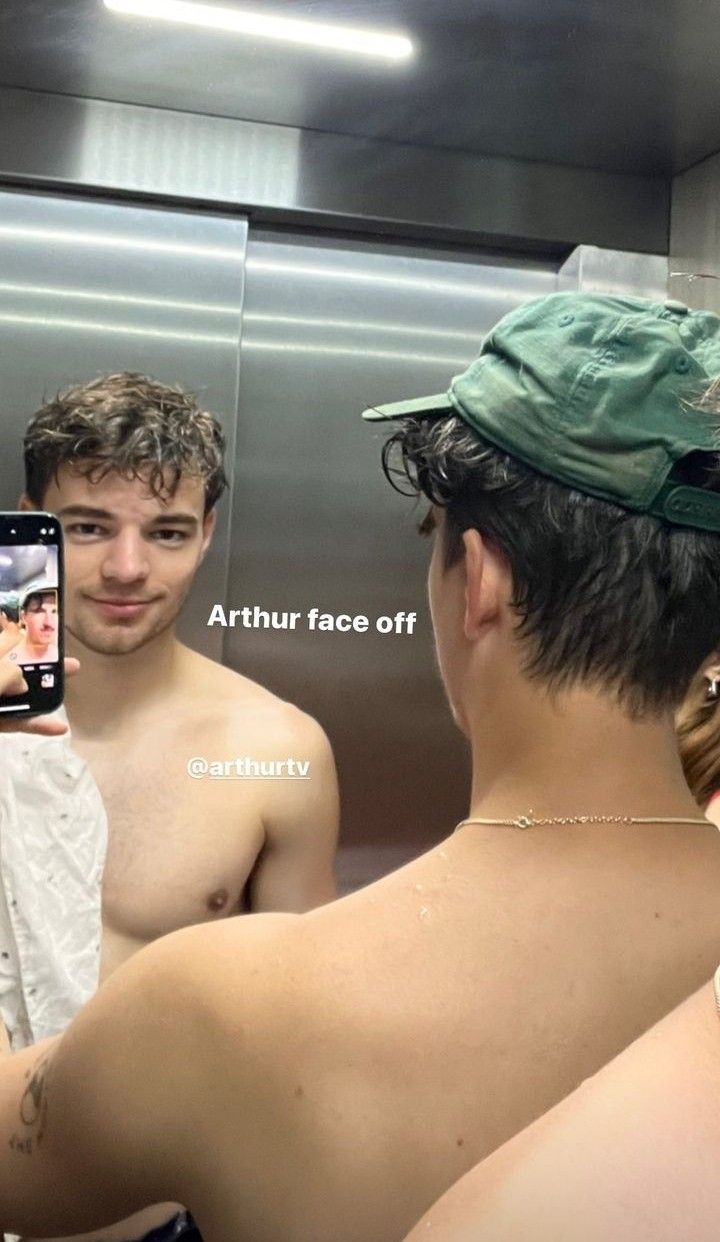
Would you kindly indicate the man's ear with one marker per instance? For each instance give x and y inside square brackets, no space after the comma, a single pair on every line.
[484,581]
[208,529]
[25,504]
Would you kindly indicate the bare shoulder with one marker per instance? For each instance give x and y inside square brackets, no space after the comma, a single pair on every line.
[236,702]
[165,1014]
[199,976]
[207,954]
[237,975]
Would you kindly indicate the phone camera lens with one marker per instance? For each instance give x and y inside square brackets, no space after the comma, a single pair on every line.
[43,531]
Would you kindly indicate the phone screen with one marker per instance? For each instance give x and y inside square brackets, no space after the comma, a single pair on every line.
[31,601]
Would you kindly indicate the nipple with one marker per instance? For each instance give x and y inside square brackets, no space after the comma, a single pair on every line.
[218,900]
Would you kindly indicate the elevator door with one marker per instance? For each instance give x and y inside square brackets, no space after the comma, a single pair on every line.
[329,327]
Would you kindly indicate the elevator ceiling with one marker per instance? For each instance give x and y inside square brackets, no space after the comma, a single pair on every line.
[620,85]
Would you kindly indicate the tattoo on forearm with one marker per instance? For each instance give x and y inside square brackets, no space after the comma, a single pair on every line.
[33,1109]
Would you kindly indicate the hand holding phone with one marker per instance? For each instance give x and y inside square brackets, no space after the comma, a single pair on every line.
[31,606]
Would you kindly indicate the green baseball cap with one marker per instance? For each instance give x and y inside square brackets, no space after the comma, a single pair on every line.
[597,393]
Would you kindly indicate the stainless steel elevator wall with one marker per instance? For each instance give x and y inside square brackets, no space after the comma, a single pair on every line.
[87,288]
[328,328]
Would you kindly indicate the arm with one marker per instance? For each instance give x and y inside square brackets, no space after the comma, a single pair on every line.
[294,872]
[632,1154]
[81,1115]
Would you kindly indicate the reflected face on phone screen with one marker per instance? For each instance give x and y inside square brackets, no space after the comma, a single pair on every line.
[39,616]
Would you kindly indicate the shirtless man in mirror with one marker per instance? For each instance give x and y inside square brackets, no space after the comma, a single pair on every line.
[328,1076]
[133,469]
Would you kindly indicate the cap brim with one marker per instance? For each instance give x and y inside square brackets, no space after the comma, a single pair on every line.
[420,407]
[37,589]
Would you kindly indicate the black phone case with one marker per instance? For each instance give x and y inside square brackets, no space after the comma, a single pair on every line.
[22,529]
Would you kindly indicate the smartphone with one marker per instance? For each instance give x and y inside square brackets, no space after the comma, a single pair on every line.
[31,609]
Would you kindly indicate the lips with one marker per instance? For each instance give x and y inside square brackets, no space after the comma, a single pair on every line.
[121,609]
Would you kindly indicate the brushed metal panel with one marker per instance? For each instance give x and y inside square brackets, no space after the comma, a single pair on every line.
[695,236]
[330,179]
[87,288]
[328,328]
[592,270]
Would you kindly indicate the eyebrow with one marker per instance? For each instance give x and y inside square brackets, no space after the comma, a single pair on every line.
[87,511]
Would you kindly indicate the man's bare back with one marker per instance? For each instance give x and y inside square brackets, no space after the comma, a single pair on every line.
[330,1076]
[442,1017]
[185,850]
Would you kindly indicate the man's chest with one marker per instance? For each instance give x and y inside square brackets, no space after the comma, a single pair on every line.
[180,850]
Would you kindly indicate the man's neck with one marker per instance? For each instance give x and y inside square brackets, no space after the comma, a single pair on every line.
[112,689]
[38,654]
[580,755]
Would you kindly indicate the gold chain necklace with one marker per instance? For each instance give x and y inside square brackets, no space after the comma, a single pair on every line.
[529,820]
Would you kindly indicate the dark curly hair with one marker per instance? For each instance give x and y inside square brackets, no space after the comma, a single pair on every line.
[603,596]
[130,424]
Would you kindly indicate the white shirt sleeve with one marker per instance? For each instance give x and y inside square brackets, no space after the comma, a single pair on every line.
[53,842]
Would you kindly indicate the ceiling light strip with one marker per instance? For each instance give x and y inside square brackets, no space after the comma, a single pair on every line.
[288,30]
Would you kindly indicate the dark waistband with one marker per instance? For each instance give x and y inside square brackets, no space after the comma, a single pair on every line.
[181,1228]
